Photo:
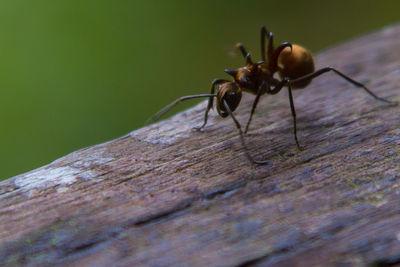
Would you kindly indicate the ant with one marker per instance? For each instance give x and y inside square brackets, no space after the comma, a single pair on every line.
[293,63]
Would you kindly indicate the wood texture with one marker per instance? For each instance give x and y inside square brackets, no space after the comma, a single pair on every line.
[165,195]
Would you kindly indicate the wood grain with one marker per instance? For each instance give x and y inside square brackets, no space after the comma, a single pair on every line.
[165,195]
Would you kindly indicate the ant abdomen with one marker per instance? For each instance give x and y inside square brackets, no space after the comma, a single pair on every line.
[295,64]
[230,93]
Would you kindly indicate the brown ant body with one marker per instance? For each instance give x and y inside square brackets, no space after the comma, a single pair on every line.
[293,63]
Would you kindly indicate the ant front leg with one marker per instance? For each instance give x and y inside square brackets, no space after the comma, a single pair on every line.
[317,73]
[210,102]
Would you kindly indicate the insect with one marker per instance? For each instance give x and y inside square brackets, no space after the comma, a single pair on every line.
[293,63]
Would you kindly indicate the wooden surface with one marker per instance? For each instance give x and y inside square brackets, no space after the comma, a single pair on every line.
[165,195]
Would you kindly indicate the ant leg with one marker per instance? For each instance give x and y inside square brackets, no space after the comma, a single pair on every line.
[265,32]
[246,150]
[167,108]
[293,114]
[272,53]
[273,59]
[276,90]
[341,74]
[210,102]
[261,91]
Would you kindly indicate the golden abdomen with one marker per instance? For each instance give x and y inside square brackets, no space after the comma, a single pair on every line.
[296,64]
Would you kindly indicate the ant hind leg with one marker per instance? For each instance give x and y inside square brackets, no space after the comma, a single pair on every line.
[319,72]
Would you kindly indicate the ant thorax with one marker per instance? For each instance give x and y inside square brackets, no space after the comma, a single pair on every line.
[247,77]
[250,77]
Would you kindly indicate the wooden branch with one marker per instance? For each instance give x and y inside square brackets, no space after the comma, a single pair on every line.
[165,195]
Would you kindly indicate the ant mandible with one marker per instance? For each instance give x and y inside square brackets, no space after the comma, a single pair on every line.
[293,63]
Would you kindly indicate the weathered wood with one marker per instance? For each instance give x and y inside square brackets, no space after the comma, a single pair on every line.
[165,195]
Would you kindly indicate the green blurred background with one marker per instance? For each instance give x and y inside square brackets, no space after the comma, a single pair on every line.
[77,73]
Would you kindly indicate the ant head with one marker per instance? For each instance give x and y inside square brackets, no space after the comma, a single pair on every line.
[249,75]
[229,93]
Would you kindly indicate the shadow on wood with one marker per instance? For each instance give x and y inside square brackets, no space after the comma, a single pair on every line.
[167,195]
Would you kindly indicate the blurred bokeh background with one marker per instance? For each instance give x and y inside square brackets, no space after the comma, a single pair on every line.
[77,73]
